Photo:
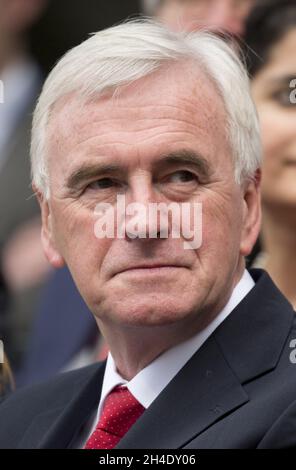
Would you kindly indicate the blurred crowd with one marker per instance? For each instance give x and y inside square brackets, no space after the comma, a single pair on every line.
[44,323]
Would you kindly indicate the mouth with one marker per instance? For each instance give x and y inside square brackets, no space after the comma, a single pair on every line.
[148,269]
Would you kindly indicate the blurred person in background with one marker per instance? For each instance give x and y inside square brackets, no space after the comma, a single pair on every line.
[3,305]
[271,58]
[61,313]
[6,378]
[217,15]
[22,262]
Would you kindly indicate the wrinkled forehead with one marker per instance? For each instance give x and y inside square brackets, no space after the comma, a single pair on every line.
[183,89]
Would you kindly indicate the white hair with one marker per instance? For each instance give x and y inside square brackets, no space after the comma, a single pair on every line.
[127,52]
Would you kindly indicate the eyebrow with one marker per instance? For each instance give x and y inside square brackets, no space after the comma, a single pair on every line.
[89,171]
[187,157]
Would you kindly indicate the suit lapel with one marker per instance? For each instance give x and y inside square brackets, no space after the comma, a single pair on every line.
[200,394]
[248,343]
[253,336]
[56,428]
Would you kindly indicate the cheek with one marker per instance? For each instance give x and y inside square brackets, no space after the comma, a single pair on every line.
[273,136]
[278,137]
[81,249]
[275,131]
[268,133]
[221,232]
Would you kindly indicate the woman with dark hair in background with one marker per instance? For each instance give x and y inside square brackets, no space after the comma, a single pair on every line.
[271,57]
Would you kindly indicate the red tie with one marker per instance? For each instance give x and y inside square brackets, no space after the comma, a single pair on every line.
[121,410]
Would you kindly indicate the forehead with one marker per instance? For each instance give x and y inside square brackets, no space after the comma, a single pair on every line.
[177,103]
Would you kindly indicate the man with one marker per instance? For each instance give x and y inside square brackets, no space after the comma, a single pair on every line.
[82,348]
[226,16]
[199,348]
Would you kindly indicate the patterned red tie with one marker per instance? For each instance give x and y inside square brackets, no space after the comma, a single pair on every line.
[121,410]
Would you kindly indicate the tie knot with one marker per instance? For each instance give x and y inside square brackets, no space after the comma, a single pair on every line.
[120,411]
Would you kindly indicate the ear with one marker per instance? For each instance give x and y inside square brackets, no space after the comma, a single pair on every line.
[251,214]
[51,252]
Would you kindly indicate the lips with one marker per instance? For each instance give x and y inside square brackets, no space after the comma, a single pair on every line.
[148,267]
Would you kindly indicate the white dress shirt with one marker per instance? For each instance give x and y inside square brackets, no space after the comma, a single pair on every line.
[150,381]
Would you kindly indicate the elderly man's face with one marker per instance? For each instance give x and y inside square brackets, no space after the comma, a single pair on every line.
[131,145]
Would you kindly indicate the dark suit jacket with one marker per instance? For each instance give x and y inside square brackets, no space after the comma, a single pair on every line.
[235,391]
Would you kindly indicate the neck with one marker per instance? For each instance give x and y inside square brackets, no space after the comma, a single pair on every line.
[279,242]
[131,355]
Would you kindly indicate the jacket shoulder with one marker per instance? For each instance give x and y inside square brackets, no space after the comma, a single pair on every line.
[18,410]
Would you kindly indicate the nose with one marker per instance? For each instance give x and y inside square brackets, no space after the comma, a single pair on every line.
[145,216]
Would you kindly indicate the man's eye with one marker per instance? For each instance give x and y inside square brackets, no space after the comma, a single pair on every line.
[182,176]
[103,183]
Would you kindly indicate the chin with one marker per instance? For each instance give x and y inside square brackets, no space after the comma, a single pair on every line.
[156,311]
